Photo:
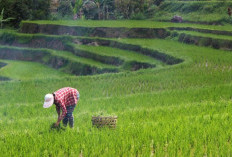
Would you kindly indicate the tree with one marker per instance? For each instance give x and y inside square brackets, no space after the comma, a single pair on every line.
[98,3]
[128,8]
[65,8]
[40,9]
[109,9]
[123,8]
[104,7]
[2,18]
[20,10]
[25,10]
[90,9]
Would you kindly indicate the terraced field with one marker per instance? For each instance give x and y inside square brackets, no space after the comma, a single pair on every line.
[81,56]
[172,96]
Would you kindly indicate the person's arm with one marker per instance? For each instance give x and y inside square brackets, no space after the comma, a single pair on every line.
[57,106]
[61,117]
[58,110]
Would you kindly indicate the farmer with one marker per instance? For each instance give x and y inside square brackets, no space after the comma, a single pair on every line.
[66,100]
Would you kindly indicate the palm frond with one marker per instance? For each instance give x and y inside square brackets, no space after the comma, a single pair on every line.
[8,19]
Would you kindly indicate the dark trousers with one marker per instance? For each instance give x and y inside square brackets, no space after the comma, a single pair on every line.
[69,116]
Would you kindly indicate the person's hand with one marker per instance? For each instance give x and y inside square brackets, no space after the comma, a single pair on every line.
[56,125]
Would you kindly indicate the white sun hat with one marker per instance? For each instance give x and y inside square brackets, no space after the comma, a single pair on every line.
[48,100]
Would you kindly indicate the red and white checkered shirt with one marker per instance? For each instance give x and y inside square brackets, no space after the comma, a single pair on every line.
[65,97]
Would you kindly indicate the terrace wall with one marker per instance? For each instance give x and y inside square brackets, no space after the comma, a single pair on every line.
[112,32]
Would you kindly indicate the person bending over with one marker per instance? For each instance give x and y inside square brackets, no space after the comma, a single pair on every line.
[65,99]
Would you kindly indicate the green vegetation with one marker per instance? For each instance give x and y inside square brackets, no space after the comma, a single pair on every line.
[80,59]
[123,54]
[205,39]
[209,35]
[179,109]
[200,11]
[65,8]
[65,61]
[25,10]
[21,70]
[208,12]
[73,53]
[2,18]
[132,24]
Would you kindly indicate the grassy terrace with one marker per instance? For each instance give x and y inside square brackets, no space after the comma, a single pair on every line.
[94,55]
[131,24]
[194,17]
[180,50]
[208,35]
[61,60]
[62,54]
[71,56]
[123,54]
[9,36]
[22,70]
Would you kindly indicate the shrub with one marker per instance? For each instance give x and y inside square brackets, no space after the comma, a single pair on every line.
[138,16]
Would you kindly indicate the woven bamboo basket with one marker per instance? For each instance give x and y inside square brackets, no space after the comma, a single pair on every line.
[100,121]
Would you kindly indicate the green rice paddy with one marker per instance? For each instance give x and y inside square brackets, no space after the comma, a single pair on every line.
[168,110]
[21,70]
[208,35]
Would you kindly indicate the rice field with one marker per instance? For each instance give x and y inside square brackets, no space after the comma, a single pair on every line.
[182,109]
